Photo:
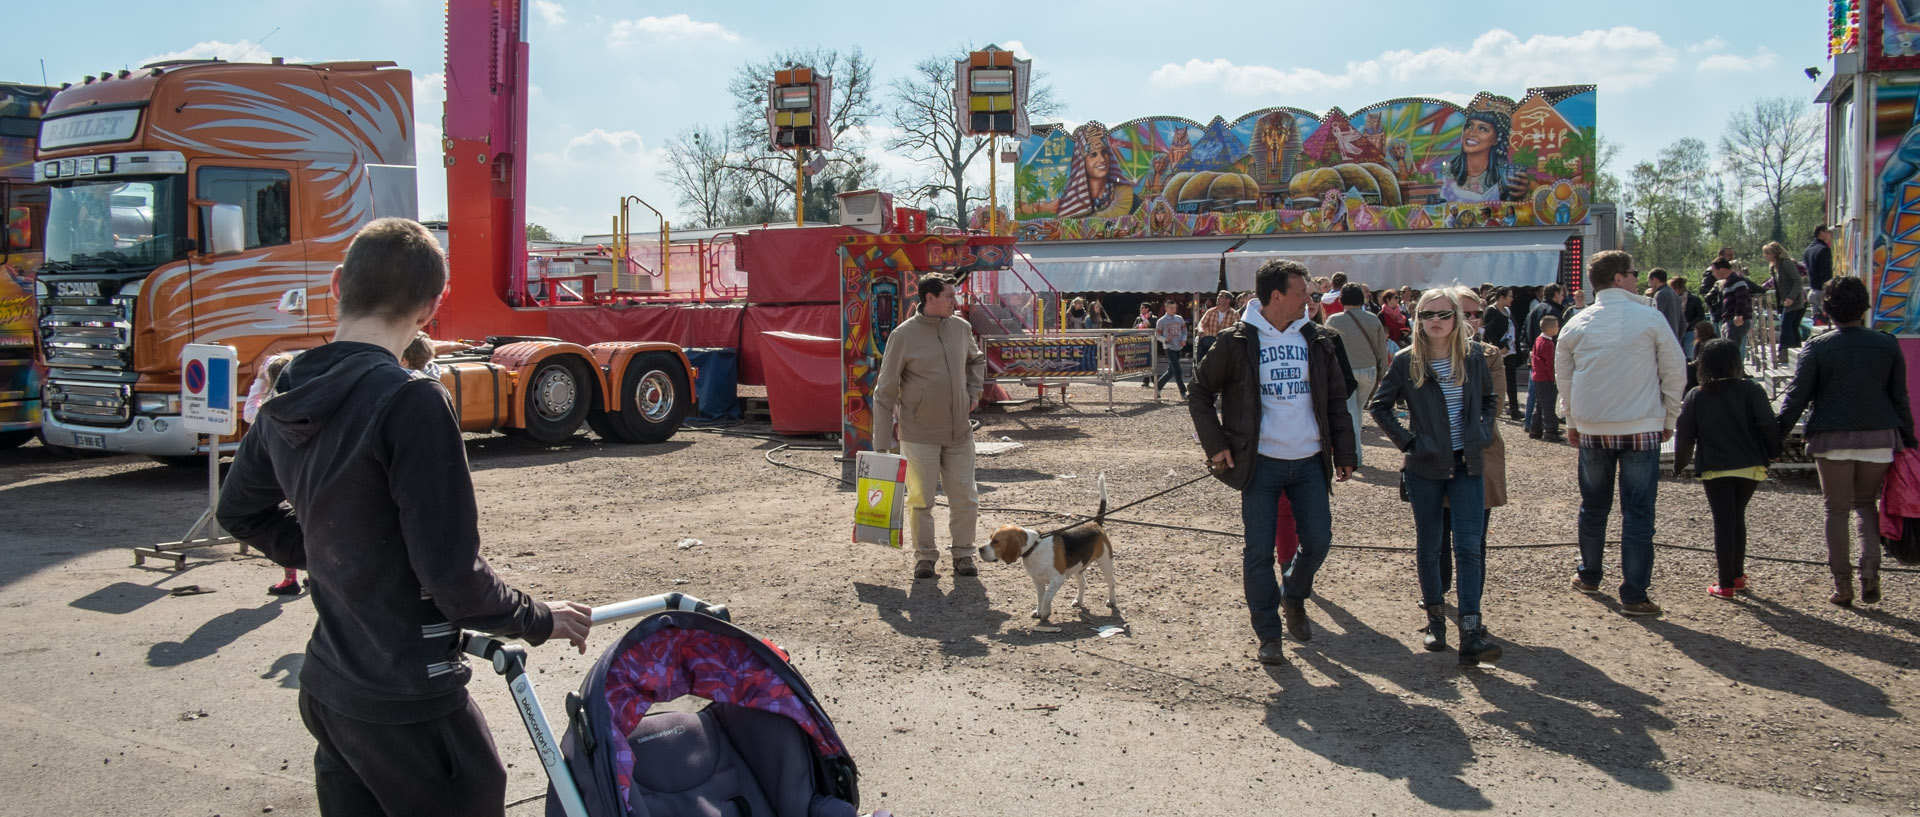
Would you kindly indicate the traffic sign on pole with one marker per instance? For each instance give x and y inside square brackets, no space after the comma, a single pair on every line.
[207,389]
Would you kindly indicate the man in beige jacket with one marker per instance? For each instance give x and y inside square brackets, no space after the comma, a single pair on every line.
[931,376]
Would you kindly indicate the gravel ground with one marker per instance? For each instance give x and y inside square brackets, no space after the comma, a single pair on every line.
[1772,703]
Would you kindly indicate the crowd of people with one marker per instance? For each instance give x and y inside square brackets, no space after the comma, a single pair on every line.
[1622,376]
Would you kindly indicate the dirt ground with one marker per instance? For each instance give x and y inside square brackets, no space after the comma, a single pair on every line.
[124,699]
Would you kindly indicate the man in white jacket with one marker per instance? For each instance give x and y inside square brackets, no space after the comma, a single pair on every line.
[1621,376]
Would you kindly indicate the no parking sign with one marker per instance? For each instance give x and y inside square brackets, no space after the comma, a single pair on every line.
[207,395]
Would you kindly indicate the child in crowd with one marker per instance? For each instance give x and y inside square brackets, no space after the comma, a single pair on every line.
[1543,421]
[419,355]
[257,394]
[1727,419]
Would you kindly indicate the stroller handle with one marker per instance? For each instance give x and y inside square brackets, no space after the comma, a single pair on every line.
[642,607]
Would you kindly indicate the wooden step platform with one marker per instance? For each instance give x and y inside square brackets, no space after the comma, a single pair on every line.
[755,410]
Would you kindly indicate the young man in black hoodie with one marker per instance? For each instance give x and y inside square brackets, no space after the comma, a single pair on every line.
[370,458]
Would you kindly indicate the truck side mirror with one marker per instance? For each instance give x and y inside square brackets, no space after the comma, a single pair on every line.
[226,229]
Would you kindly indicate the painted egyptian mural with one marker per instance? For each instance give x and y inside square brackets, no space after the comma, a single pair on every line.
[1405,164]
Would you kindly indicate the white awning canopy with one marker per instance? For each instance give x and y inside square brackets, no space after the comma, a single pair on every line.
[1166,265]
[1505,257]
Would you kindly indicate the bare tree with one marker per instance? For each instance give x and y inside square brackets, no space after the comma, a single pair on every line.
[697,169]
[762,176]
[1606,184]
[927,128]
[1771,147]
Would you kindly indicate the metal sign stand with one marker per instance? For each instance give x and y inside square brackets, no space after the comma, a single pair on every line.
[206,407]
[206,532]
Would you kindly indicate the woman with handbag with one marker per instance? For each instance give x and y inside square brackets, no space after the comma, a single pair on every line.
[1450,404]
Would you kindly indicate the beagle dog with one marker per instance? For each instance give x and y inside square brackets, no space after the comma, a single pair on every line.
[1054,558]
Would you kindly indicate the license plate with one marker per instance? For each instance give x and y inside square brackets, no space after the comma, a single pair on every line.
[97,442]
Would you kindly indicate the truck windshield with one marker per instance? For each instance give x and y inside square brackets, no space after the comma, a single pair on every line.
[116,223]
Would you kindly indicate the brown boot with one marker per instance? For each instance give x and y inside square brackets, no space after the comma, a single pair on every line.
[963,566]
[1870,589]
[1842,590]
[923,569]
[1294,611]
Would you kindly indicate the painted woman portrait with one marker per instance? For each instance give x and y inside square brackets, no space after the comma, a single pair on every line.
[1096,186]
[1482,172]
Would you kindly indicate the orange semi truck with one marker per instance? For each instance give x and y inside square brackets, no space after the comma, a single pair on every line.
[208,202]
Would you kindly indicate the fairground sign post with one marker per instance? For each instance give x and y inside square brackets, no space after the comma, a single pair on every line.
[209,405]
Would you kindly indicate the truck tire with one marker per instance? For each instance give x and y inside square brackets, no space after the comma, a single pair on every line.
[15,439]
[557,399]
[653,398]
[606,426]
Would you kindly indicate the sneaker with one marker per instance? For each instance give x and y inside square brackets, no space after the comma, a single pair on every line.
[286,587]
[963,566]
[923,569]
[1720,592]
[1272,651]
[1640,608]
[1589,589]
[1740,583]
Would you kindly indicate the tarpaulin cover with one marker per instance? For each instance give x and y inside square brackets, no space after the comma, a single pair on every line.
[1166,265]
[1508,257]
[688,325]
[792,266]
[803,382]
[717,389]
[822,320]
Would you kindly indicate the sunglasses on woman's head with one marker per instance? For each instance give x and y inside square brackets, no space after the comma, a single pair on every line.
[1431,315]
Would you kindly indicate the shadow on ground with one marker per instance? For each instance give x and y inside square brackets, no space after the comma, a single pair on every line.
[961,621]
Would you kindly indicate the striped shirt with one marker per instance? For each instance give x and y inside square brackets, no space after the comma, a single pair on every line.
[1644,441]
[1456,400]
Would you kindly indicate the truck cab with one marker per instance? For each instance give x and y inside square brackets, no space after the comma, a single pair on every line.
[201,202]
[23,206]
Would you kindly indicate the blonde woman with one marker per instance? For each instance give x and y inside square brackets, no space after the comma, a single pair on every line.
[1451,406]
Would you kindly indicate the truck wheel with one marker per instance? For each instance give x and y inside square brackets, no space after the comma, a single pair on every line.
[654,398]
[605,424]
[557,399]
[15,439]
[179,460]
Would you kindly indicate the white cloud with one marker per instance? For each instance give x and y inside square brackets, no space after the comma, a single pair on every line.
[669,29]
[1620,57]
[241,51]
[1255,80]
[554,14]
[1018,48]
[602,143]
[1714,43]
[1762,58]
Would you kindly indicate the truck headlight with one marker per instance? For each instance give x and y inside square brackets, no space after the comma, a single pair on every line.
[154,402]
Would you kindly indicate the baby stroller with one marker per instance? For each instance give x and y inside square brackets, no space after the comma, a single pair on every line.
[762,748]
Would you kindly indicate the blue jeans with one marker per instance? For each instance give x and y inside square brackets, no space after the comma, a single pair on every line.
[1686,343]
[1466,493]
[1541,397]
[1172,373]
[1639,476]
[1305,484]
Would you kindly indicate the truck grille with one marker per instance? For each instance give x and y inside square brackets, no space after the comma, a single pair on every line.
[95,333]
[101,404]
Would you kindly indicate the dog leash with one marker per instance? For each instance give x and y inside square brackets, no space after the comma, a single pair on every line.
[1081,519]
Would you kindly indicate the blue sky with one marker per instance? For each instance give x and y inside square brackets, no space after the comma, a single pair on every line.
[615,80]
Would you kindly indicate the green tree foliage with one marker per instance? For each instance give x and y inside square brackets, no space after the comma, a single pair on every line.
[536,232]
